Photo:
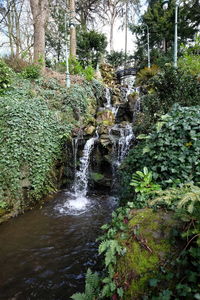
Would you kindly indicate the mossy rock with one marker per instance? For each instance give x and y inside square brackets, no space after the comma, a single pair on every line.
[96,176]
[148,247]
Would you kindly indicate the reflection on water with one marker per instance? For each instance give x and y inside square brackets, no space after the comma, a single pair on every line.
[45,253]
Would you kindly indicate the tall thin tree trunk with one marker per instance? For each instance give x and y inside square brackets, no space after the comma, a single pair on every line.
[72,28]
[39,10]
[111,36]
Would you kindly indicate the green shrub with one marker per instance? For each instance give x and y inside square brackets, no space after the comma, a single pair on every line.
[190,64]
[31,72]
[169,86]
[89,73]
[29,144]
[171,151]
[5,76]
[145,74]
[75,67]
[180,277]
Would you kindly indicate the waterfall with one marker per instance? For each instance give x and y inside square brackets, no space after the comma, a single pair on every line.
[121,144]
[108,98]
[74,150]
[108,104]
[124,142]
[137,109]
[81,176]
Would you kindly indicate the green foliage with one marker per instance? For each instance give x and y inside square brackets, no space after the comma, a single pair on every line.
[182,274]
[89,73]
[117,58]
[112,248]
[3,204]
[30,143]
[161,28]
[145,74]
[35,119]
[91,287]
[190,64]
[5,76]
[184,199]
[171,151]
[31,72]
[143,182]
[90,46]
[181,88]
[75,67]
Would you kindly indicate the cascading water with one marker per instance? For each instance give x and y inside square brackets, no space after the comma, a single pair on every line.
[81,176]
[137,109]
[124,142]
[77,201]
[108,103]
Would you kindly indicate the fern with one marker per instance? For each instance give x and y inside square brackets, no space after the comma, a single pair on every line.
[182,199]
[78,296]
[91,287]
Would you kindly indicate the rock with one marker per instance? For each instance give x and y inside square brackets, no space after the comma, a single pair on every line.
[105,140]
[106,118]
[96,176]
[25,183]
[116,100]
[147,250]
[90,130]
[103,129]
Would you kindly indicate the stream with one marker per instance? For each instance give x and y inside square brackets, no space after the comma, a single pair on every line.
[45,253]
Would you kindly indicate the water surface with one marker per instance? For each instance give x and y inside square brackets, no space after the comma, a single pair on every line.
[45,253]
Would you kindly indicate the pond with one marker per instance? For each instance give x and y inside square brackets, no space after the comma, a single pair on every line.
[45,253]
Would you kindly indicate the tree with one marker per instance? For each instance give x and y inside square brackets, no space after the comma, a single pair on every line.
[39,10]
[16,25]
[161,28]
[72,28]
[90,46]
[87,11]
[114,9]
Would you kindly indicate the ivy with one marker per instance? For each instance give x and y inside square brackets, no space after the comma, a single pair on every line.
[171,151]
[30,141]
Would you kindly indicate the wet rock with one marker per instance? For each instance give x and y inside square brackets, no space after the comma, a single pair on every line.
[90,130]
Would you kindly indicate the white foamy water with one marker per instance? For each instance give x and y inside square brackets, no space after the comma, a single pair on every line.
[74,205]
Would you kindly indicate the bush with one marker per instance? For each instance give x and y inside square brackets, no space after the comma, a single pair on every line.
[171,152]
[75,67]
[167,87]
[89,73]
[32,72]
[16,63]
[190,64]
[5,76]
[145,74]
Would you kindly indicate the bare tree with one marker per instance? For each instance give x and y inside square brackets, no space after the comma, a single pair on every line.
[87,11]
[39,10]
[16,25]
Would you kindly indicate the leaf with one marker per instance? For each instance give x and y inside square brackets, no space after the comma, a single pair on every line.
[78,296]
[153,282]
[120,292]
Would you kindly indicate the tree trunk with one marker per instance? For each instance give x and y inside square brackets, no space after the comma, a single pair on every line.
[111,35]
[39,10]
[72,29]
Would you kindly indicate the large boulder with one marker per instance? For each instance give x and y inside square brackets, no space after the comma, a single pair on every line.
[149,245]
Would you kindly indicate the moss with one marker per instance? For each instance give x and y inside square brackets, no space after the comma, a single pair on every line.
[147,247]
[96,176]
